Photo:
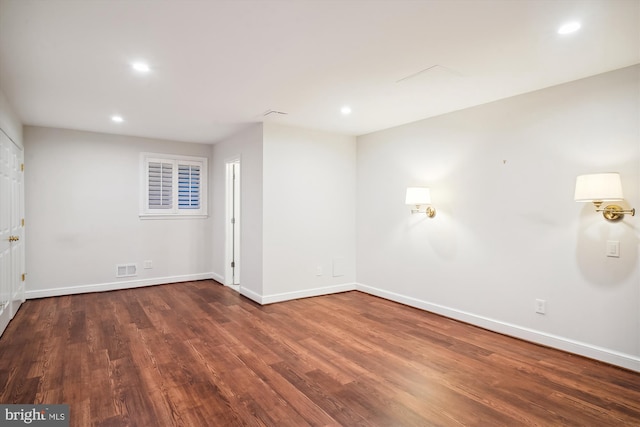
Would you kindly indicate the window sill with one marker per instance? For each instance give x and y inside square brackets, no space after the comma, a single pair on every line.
[171,216]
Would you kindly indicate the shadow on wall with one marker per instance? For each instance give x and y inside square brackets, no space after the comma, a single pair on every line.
[438,233]
[593,234]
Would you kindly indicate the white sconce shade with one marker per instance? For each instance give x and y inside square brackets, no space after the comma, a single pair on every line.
[598,187]
[602,187]
[417,196]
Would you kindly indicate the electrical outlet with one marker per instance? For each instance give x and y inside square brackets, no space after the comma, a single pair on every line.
[148,264]
[319,271]
[541,306]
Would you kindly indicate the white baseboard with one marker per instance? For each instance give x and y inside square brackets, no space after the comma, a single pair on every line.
[613,357]
[251,295]
[306,293]
[217,277]
[101,287]
[221,279]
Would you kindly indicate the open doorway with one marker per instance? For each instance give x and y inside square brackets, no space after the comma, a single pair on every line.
[232,221]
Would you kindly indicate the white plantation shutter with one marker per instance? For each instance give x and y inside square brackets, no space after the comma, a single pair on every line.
[160,185]
[173,186]
[188,186]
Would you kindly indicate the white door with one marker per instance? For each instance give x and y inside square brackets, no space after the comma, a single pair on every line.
[5,231]
[232,270]
[11,230]
[17,230]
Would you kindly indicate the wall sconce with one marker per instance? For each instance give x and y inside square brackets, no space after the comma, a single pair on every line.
[417,196]
[602,187]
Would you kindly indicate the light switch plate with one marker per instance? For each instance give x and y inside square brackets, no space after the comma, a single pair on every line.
[613,248]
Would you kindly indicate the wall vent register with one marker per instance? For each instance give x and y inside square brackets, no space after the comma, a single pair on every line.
[126,270]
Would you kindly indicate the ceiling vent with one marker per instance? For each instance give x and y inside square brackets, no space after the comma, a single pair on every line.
[433,71]
[274,112]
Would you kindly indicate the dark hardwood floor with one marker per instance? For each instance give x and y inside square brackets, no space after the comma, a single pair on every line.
[198,354]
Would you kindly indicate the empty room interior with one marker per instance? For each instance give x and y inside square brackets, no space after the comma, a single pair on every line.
[290,213]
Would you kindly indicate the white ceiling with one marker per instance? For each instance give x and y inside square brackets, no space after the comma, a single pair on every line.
[219,65]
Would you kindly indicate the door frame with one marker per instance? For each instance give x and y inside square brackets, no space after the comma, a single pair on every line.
[232,223]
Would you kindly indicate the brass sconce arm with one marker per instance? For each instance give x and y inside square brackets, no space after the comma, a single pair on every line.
[613,212]
[429,211]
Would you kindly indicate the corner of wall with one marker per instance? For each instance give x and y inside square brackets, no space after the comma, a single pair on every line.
[10,122]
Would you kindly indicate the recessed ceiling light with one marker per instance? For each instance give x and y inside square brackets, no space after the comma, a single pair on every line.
[345,110]
[117,119]
[141,67]
[569,27]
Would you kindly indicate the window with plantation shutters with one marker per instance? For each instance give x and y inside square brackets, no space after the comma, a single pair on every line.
[173,186]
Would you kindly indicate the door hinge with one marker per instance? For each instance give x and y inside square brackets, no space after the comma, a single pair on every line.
[233,220]
[233,264]
[24,275]
[22,222]
[21,167]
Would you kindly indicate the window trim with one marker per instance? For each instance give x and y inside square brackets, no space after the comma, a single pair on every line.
[174,212]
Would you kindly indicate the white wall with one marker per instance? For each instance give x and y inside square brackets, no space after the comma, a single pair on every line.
[82,206]
[507,230]
[297,211]
[9,121]
[309,212]
[247,146]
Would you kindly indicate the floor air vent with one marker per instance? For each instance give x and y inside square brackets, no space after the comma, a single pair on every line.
[126,270]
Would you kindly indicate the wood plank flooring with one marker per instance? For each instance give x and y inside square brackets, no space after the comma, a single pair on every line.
[198,354]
